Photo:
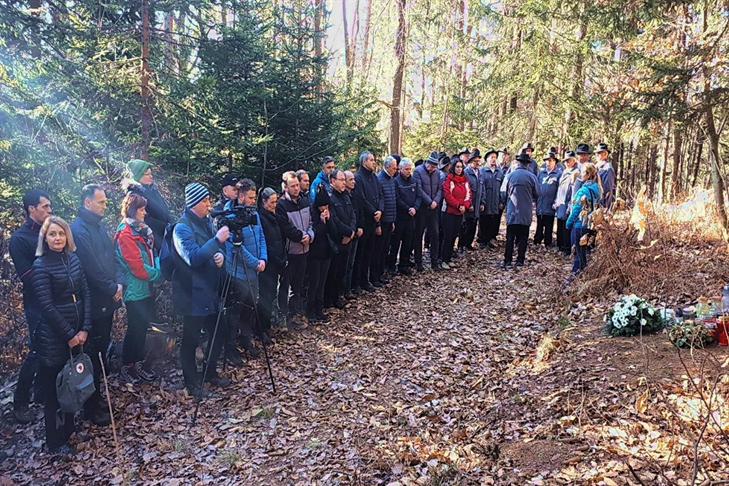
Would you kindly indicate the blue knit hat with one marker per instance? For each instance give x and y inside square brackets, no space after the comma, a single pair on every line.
[194,193]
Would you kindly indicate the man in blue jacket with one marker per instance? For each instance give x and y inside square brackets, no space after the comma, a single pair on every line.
[327,166]
[431,194]
[519,190]
[383,234]
[196,286]
[23,244]
[368,191]
[96,252]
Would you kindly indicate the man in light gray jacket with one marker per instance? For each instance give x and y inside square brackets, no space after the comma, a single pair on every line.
[431,194]
[519,190]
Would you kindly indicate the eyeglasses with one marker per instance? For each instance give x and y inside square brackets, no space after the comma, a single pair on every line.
[340,179]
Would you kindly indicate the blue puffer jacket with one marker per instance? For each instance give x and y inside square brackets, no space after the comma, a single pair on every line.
[519,189]
[591,191]
[548,185]
[491,181]
[320,178]
[389,215]
[196,284]
[251,251]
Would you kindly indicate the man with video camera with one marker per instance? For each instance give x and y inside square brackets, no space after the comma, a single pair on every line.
[196,286]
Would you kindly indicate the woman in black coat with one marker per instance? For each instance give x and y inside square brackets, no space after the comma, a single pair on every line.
[276,250]
[58,282]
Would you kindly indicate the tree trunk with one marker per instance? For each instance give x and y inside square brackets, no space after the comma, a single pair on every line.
[663,168]
[717,181]
[675,188]
[400,44]
[318,43]
[146,115]
[348,54]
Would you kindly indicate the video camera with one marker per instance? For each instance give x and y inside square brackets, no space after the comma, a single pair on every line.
[236,218]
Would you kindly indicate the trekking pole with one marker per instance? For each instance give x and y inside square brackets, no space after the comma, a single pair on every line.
[108,403]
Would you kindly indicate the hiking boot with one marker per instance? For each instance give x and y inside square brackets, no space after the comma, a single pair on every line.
[233,355]
[218,381]
[144,375]
[128,374]
[506,266]
[320,316]
[247,345]
[338,304]
[100,416]
[23,414]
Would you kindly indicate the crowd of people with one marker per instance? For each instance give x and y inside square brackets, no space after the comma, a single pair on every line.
[273,257]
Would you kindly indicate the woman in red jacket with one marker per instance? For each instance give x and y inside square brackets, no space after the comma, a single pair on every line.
[457,195]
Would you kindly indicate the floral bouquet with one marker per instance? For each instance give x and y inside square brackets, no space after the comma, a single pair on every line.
[633,315]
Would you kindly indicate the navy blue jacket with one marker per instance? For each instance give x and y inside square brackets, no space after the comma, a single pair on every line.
[548,185]
[519,189]
[98,259]
[431,186]
[343,215]
[23,244]
[389,213]
[491,181]
[368,191]
[64,302]
[408,196]
[196,286]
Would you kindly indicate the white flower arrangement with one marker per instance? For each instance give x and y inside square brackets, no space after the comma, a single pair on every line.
[632,315]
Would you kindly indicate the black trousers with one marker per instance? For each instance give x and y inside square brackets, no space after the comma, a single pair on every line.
[59,425]
[545,228]
[27,377]
[98,341]
[139,315]
[488,227]
[381,250]
[563,236]
[242,315]
[402,242]
[293,277]
[363,259]
[333,287]
[191,328]
[318,270]
[350,280]
[519,234]
[267,287]
[468,232]
[427,219]
[451,229]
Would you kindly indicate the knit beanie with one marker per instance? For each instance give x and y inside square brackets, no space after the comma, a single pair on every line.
[137,168]
[194,193]
[322,197]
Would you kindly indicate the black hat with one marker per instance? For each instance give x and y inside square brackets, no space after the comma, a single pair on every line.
[465,150]
[445,161]
[322,197]
[523,157]
[504,150]
[569,154]
[433,158]
[476,154]
[229,180]
[583,148]
[527,146]
[419,162]
[491,151]
[550,155]
[602,147]
[396,157]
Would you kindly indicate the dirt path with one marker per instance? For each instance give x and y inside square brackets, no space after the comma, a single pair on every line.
[447,378]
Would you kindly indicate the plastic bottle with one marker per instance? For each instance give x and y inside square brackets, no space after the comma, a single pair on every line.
[725,299]
[715,306]
[702,308]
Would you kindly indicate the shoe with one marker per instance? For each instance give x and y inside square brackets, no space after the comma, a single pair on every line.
[218,381]
[247,345]
[338,304]
[349,296]
[438,269]
[266,339]
[321,317]
[63,452]
[233,355]
[100,417]
[406,271]
[445,266]
[419,268]
[506,266]
[23,414]
[311,316]
[519,264]
[385,279]
[128,374]
[490,244]
[294,324]
[368,288]
[144,375]
[378,284]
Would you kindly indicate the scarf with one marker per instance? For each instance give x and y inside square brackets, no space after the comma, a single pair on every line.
[142,230]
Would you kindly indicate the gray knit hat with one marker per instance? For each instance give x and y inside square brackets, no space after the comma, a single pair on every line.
[194,193]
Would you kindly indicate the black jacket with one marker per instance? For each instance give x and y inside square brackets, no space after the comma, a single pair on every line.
[344,216]
[321,247]
[23,244]
[158,214]
[408,196]
[368,191]
[64,301]
[357,208]
[275,242]
[98,258]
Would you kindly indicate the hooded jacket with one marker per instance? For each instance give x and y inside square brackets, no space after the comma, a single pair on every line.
[368,191]
[519,190]
[98,259]
[137,262]
[320,178]
[591,191]
[456,192]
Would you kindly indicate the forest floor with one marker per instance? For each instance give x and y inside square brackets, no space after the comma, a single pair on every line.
[475,375]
